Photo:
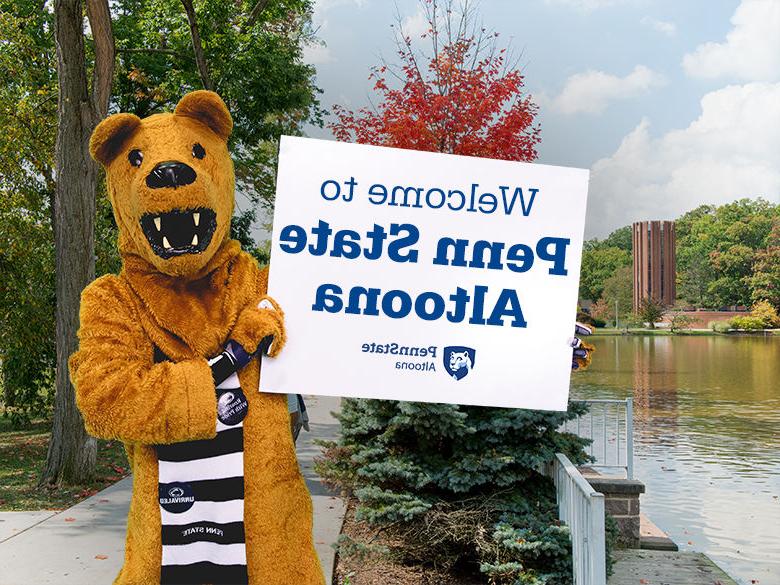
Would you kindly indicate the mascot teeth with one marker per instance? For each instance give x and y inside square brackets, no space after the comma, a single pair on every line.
[179,231]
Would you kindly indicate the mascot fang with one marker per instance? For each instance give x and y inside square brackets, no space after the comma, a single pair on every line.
[168,363]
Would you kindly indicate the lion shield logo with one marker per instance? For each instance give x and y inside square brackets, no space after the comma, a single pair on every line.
[459,361]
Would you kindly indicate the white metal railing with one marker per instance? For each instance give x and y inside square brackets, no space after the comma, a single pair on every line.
[581,508]
[609,424]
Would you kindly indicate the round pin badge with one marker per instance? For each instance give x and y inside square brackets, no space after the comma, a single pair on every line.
[176,497]
[232,407]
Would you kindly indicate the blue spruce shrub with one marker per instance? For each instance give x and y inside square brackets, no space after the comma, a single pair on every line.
[458,486]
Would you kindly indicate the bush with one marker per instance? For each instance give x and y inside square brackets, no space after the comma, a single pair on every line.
[680,321]
[458,484]
[748,322]
[650,311]
[764,311]
[720,326]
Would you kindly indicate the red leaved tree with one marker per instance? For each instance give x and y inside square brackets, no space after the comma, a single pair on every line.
[462,97]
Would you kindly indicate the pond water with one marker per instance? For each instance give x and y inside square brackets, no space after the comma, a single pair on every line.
[706,440]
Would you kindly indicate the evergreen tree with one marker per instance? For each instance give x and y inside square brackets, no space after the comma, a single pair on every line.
[459,485]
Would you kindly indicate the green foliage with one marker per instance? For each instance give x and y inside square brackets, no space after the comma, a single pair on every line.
[765,280]
[257,68]
[746,322]
[650,311]
[726,255]
[720,326]
[458,483]
[599,264]
[764,311]
[680,321]
[618,290]
[28,107]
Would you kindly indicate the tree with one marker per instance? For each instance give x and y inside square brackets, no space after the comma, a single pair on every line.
[462,98]
[680,321]
[598,265]
[455,483]
[28,107]
[765,280]
[619,290]
[458,484]
[72,452]
[249,51]
[718,249]
[650,311]
[764,311]
[261,50]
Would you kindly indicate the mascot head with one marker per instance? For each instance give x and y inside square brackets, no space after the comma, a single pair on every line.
[170,181]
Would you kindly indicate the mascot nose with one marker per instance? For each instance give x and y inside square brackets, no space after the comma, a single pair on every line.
[170,174]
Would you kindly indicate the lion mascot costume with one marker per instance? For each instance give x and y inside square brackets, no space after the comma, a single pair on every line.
[169,363]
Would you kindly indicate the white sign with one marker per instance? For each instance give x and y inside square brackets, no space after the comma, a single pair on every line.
[422,276]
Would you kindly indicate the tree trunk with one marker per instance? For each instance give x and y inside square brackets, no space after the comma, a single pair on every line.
[197,45]
[72,453]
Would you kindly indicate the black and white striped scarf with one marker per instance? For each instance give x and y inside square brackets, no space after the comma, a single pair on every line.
[201,490]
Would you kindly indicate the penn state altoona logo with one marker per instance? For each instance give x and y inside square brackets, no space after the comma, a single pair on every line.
[459,360]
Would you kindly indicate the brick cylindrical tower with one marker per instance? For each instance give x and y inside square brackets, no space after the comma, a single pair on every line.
[655,270]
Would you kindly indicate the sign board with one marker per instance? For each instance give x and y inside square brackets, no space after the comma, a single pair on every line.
[422,276]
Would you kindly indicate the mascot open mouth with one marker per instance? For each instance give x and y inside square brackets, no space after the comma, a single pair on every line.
[178,232]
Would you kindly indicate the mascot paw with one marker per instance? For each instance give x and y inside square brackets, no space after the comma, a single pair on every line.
[581,351]
[261,329]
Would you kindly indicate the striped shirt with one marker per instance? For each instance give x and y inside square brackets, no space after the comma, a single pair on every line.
[201,490]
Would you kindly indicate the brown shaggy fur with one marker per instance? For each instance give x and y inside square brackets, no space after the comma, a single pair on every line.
[188,306]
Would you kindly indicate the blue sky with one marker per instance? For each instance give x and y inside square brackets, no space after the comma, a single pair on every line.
[670,104]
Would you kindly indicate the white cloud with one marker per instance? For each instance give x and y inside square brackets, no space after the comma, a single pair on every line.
[751,50]
[588,5]
[415,24]
[592,91]
[319,53]
[322,7]
[316,54]
[661,26]
[731,150]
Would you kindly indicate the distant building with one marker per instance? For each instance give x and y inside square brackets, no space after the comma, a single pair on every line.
[655,266]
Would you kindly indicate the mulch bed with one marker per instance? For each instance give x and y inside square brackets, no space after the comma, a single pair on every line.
[375,569]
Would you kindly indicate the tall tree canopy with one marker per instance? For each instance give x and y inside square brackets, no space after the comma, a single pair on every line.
[719,250]
[249,51]
[462,96]
[726,255]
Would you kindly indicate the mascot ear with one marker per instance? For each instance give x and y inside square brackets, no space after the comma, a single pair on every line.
[110,136]
[208,108]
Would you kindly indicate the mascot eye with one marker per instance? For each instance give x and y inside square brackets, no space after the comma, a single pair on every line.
[198,151]
[135,157]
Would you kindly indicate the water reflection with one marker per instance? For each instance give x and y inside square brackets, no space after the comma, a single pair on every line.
[707,440]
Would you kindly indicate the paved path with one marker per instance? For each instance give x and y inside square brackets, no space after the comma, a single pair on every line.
[652,567]
[84,545]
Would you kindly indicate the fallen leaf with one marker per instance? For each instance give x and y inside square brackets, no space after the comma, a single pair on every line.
[70,519]
[101,557]
[644,581]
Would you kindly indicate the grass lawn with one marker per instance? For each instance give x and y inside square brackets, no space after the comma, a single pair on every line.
[22,456]
[607,332]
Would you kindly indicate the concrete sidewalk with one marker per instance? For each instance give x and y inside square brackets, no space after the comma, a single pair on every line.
[84,545]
